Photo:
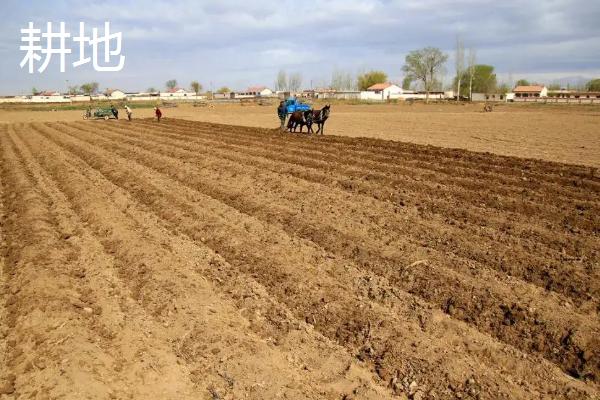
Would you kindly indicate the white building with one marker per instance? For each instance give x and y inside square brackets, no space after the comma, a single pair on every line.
[177,94]
[382,92]
[115,94]
[532,91]
[50,97]
[255,91]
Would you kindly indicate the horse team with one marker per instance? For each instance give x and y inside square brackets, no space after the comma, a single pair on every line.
[308,118]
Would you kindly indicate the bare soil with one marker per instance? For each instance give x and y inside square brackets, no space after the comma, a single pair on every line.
[562,133]
[191,260]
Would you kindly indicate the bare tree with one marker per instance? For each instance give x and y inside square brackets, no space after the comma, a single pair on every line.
[459,63]
[342,80]
[425,65]
[294,82]
[472,61]
[281,83]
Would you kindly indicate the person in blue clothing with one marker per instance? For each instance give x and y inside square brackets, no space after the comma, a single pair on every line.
[282,114]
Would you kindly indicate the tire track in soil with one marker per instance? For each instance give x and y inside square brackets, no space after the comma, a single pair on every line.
[546,336]
[546,271]
[389,346]
[200,338]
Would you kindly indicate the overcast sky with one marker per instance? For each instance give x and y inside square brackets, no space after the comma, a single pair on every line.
[240,42]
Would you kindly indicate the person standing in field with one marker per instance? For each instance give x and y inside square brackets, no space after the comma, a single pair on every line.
[282,114]
[158,113]
[114,110]
[128,111]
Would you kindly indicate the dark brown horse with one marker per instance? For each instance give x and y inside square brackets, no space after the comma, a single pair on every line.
[319,117]
[299,118]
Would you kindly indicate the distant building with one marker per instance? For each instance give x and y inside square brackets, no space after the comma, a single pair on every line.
[532,91]
[255,91]
[488,97]
[176,93]
[328,93]
[115,94]
[382,92]
[50,97]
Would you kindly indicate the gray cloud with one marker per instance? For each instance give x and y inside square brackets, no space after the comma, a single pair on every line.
[238,43]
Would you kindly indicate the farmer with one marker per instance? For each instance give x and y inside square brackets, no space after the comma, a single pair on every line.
[282,114]
[158,113]
[114,110]
[128,111]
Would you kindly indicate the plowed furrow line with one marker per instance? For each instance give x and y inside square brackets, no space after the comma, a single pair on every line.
[118,317]
[5,295]
[45,297]
[534,239]
[451,202]
[543,271]
[430,282]
[524,202]
[470,172]
[142,260]
[300,275]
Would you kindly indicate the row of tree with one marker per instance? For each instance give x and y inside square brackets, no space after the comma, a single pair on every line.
[424,66]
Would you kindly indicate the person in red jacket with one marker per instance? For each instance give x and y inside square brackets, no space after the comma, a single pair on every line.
[158,113]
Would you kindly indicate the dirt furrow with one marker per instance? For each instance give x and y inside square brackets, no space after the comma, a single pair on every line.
[118,320]
[489,306]
[318,288]
[440,196]
[430,156]
[45,299]
[468,172]
[201,327]
[573,252]
[4,289]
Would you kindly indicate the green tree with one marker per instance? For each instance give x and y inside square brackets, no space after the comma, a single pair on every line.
[369,79]
[406,82]
[151,90]
[196,87]
[34,91]
[90,88]
[484,80]
[224,89]
[425,65]
[593,85]
[523,82]
[171,84]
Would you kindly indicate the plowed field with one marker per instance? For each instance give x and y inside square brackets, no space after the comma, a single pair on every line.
[189,260]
